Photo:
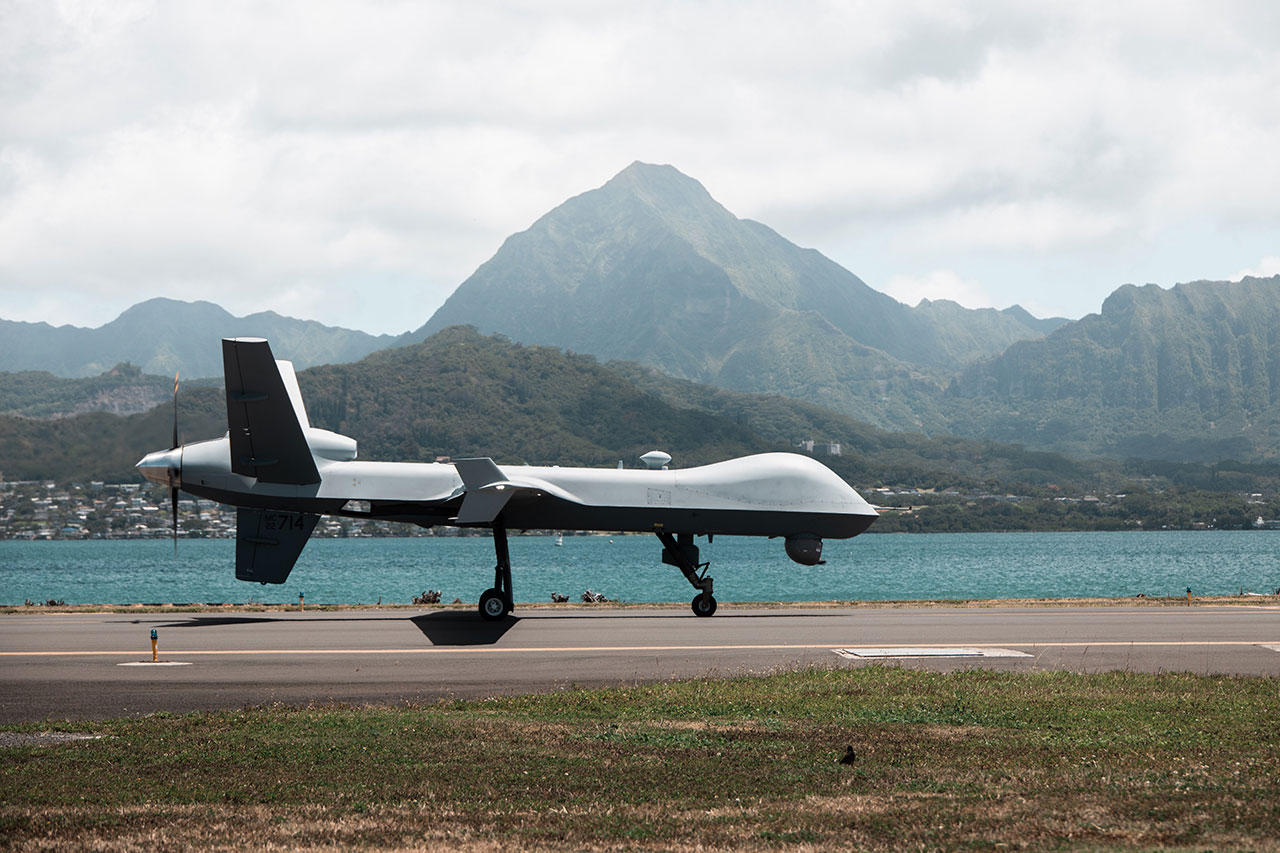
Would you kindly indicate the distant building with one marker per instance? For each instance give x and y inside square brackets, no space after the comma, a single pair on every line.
[820,448]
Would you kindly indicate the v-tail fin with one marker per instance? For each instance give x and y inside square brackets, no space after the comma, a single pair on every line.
[265,416]
[269,542]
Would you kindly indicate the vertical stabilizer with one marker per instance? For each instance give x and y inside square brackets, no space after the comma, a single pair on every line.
[290,380]
[265,416]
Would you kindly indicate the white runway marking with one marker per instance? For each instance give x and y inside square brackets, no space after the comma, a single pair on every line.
[928,652]
[156,663]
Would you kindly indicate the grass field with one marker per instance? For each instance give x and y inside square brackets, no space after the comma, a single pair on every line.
[971,759]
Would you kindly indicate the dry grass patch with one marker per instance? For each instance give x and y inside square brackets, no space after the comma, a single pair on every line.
[944,760]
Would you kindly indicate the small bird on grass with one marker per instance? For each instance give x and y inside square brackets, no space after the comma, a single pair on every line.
[848,756]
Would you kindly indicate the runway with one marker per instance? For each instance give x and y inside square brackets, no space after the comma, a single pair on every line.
[89,666]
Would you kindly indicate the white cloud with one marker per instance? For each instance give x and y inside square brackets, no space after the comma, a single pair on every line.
[935,285]
[1265,268]
[354,162]
[1039,224]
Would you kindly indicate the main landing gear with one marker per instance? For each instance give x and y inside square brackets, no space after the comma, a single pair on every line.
[679,551]
[497,602]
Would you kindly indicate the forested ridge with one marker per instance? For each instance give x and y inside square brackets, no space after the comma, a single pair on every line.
[1190,373]
[462,394]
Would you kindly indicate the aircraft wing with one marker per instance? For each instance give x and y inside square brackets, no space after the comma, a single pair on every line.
[487,490]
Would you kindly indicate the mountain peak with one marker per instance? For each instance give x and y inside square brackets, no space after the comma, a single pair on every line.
[640,172]
[160,335]
[161,308]
[661,186]
[650,267]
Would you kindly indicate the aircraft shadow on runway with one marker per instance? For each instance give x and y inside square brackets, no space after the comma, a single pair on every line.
[442,628]
[454,628]
[214,621]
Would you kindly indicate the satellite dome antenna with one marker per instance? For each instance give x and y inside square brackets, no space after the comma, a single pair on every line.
[656,460]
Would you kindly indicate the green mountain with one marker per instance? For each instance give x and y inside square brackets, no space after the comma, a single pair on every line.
[970,334]
[456,394]
[1187,373]
[650,268]
[461,394]
[122,390]
[101,445]
[163,335]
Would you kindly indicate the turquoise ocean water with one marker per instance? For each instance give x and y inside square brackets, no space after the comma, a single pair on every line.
[871,567]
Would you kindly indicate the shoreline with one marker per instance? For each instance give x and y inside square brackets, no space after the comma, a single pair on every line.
[1252,599]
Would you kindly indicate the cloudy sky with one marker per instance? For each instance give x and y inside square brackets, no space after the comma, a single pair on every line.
[353,162]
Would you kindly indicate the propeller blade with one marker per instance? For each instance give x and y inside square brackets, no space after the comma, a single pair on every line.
[175,409]
[173,490]
[173,509]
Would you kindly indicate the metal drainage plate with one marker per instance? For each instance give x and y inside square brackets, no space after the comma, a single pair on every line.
[928,652]
[156,663]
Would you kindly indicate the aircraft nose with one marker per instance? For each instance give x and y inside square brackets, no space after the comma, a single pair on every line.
[163,467]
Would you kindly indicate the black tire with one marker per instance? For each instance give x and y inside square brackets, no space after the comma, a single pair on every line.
[493,605]
[704,604]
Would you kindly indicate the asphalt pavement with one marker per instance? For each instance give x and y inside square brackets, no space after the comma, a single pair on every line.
[96,665]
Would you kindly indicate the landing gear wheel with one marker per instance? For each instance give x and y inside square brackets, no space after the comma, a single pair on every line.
[493,605]
[704,604]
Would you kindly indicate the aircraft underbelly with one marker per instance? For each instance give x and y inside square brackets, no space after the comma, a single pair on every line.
[649,510]
[262,500]
[560,515]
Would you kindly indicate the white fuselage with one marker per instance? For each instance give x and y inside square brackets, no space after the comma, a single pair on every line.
[773,486]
